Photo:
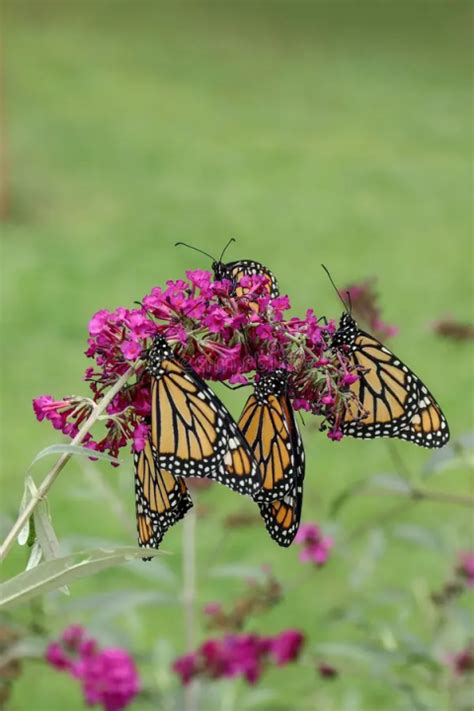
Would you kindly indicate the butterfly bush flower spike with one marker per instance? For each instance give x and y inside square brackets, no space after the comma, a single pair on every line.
[222,336]
[108,676]
[239,655]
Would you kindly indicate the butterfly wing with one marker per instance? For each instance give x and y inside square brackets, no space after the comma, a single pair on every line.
[394,401]
[246,267]
[264,424]
[268,423]
[160,498]
[193,433]
[282,517]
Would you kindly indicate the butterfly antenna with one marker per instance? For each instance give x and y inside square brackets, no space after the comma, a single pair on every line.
[336,289]
[196,249]
[148,312]
[348,294]
[232,239]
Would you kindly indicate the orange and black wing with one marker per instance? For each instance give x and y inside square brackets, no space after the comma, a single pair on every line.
[264,424]
[246,267]
[160,498]
[282,517]
[268,423]
[390,400]
[192,432]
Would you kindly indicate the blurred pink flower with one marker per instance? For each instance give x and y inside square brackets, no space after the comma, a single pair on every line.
[315,547]
[286,646]
[365,308]
[244,655]
[462,662]
[465,567]
[108,676]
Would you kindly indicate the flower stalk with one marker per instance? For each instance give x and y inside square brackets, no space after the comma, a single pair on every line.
[189,598]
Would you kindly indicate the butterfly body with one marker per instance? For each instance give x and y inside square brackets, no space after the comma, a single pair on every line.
[395,402]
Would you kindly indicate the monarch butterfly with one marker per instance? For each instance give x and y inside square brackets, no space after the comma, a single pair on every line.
[192,432]
[234,271]
[269,426]
[160,499]
[395,402]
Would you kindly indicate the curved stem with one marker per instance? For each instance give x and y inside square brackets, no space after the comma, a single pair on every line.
[443,497]
[189,598]
[50,478]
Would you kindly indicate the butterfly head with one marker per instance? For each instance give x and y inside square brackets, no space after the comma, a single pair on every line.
[274,383]
[221,271]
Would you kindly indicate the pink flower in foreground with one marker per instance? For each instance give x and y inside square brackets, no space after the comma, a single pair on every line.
[315,547]
[108,676]
[465,567]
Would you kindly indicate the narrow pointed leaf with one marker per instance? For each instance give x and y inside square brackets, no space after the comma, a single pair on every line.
[73,449]
[53,574]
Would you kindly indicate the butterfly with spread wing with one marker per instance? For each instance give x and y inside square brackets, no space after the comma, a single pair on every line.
[389,400]
[234,271]
[269,426]
[160,499]
[192,432]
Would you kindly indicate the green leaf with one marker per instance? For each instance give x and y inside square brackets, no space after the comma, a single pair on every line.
[117,602]
[456,453]
[365,565]
[45,534]
[346,495]
[236,571]
[72,449]
[357,652]
[35,556]
[386,482]
[420,535]
[390,482]
[24,534]
[53,574]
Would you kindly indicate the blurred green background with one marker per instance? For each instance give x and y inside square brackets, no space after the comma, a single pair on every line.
[312,132]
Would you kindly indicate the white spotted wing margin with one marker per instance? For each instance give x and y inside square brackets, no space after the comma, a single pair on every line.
[161,500]
[394,402]
[282,517]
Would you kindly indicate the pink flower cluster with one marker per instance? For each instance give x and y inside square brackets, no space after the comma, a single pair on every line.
[108,676]
[465,567]
[221,335]
[245,655]
[314,546]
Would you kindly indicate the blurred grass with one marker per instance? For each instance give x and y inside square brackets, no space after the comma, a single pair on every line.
[313,132]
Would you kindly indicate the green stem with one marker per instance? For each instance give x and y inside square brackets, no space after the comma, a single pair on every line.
[52,475]
[189,599]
